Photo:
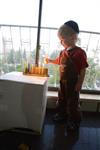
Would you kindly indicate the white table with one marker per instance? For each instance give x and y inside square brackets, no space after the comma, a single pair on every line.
[23,101]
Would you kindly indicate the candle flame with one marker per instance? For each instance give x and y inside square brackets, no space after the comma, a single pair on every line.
[45,62]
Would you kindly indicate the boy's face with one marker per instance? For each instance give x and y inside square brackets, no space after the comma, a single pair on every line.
[62,41]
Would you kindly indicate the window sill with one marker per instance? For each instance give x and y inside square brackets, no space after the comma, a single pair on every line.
[85,98]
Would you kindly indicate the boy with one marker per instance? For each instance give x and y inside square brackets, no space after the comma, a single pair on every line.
[73,63]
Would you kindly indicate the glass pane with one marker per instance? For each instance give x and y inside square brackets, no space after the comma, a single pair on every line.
[18,33]
[54,14]
[19,12]
[17,44]
[90,42]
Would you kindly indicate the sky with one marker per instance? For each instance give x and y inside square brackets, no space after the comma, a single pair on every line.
[21,12]
[54,13]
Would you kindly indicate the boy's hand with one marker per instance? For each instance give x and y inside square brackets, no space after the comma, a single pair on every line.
[46,60]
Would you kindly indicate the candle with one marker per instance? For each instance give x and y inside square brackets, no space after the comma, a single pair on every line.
[41,71]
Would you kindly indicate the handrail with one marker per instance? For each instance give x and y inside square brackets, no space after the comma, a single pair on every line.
[43,27]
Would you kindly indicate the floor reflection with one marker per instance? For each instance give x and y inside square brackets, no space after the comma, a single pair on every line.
[63,139]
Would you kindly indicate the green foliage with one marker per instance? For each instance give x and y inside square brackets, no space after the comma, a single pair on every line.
[18,56]
[92,75]
[54,74]
[54,70]
[32,56]
[13,61]
[19,68]
[24,55]
[11,57]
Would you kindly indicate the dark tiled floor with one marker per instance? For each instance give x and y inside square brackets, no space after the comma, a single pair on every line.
[55,136]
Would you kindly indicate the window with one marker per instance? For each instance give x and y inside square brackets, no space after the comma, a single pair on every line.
[19,12]
[18,35]
[89,41]
[55,13]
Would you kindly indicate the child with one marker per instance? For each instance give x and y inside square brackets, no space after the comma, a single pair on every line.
[73,63]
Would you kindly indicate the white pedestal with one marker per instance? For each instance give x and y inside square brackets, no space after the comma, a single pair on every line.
[22,101]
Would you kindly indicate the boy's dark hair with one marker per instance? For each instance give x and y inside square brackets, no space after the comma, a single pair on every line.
[72,24]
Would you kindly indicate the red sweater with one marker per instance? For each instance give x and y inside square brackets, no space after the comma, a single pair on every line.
[78,55]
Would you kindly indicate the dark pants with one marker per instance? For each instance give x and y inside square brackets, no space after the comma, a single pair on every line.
[68,101]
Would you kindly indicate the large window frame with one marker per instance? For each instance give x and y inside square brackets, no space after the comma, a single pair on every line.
[38,43]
